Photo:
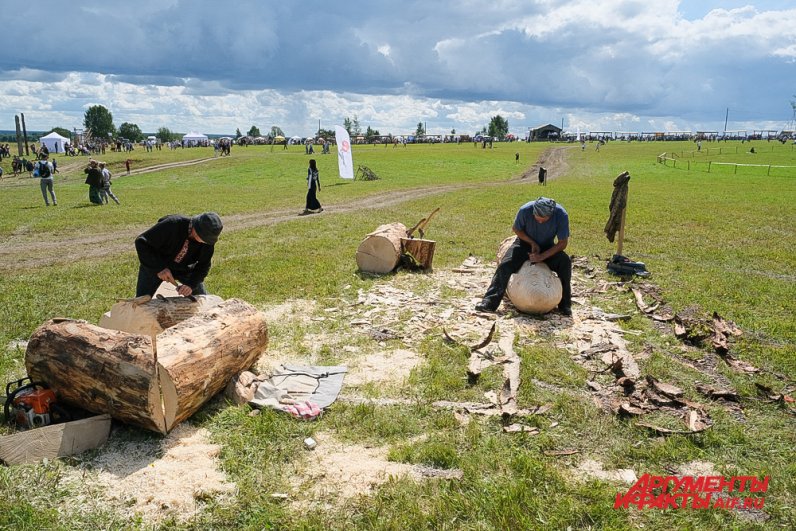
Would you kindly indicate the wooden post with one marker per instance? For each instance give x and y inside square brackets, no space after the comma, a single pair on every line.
[19,135]
[621,238]
[24,133]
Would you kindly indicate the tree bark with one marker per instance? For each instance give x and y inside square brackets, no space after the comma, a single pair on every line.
[197,357]
[380,251]
[99,370]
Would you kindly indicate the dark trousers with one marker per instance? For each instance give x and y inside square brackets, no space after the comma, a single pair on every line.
[148,282]
[517,255]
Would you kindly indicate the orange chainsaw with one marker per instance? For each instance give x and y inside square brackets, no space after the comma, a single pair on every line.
[31,405]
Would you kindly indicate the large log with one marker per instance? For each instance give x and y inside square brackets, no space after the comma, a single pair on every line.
[151,317]
[99,370]
[380,251]
[534,288]
[197,357]
[422,251]
[108,371]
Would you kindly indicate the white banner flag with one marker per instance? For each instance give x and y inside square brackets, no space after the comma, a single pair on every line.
[344,160]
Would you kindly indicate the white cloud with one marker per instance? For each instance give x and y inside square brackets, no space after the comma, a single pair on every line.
[216,67]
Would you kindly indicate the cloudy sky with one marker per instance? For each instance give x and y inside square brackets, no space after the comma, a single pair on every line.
[214,66]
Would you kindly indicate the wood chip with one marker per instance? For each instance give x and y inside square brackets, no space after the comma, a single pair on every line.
[627,409]
[520,428]
[664,388]
[559,453]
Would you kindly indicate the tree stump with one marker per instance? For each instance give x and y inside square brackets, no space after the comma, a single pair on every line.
[380,251]
[421,251]
[122,374]
[534,288]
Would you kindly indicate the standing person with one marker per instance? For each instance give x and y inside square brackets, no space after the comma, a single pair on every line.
[538,225]
[94,181]
[45,170]
[105,191]
[127,165]
[177,248]
[313,182]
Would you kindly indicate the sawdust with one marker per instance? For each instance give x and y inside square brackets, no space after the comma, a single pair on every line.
[383,367]
[300,309]
[591,469]
[164,478]
[335,472]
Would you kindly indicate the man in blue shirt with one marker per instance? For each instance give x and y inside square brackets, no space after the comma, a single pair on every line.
[542,229]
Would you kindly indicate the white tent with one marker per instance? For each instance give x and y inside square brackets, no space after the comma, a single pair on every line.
[54,142]
[193,138]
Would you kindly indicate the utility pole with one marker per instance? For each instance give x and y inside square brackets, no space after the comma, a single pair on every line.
[726,116]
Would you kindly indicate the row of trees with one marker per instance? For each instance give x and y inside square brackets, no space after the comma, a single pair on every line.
[99,121]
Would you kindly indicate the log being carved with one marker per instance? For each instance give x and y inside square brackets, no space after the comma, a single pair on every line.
[122,374]
[534,288]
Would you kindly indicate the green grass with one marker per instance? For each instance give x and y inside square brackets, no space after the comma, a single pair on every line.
[720,241]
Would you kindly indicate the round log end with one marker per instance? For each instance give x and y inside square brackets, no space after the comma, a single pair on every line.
[534,289]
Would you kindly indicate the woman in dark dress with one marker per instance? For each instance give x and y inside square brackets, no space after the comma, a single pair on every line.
[313,185]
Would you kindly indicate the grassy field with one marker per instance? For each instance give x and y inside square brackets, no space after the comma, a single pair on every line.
[718,241]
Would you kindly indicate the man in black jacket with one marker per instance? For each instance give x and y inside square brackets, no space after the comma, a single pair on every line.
[177,248]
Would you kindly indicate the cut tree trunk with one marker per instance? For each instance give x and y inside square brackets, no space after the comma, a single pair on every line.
[149,318]
[199,356]
[421,250]
[380,251]
[108,371]
[99,370]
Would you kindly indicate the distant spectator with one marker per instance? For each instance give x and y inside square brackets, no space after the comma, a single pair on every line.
[105,191]
[44,170]
[94,181]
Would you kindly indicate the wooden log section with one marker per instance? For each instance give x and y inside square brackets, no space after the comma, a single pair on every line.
[380,251]
[99,370]
[150,318]
[197,357]
[534,288]
[421,250]
[108,371]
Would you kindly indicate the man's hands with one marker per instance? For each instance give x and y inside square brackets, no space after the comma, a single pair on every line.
[166,276]
[535,257]
[182,289]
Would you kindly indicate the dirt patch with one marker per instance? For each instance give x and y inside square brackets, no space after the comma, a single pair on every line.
[335,472]
[591,469]
[383,367]
[160,479]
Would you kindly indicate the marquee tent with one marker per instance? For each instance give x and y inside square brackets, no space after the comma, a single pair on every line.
[194,138]
[54,142]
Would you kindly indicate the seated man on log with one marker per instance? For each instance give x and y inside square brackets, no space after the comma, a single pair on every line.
[177,248]
[538,225]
